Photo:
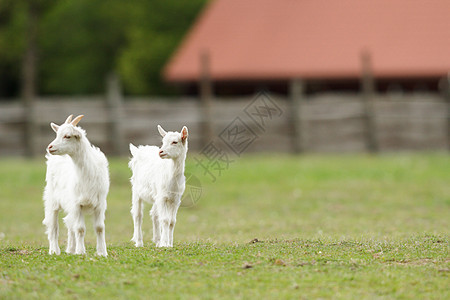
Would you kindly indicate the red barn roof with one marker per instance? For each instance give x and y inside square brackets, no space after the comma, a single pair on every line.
[282,39]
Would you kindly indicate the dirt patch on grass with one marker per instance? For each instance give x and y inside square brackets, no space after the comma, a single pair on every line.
[16,251]
[416,262]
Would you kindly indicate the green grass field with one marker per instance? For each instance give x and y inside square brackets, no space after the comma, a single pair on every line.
[331,226]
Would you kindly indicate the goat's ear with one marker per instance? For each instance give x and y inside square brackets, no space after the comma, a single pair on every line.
[69,119]
[184,134]
[162,132]
[54,127]
[77,120]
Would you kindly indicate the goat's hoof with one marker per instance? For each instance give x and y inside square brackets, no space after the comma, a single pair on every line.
[54,251]
[137,242]
[104,254]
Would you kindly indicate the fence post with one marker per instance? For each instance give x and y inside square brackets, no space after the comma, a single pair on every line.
[368,91]
[114,102]
[29,63]
[445,87]
[296,95]
[206,94]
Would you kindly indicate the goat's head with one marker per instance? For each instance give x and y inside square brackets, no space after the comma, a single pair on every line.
[175,144]
[68,137]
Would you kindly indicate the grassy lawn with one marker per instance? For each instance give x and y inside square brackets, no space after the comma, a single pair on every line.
[270,226]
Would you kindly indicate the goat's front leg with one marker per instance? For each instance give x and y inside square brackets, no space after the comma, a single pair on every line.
[51,222]
[99,227]
[172,224]
[166,215]
[136,211]
[75,220]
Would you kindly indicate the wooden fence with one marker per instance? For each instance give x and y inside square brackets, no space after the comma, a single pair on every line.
[320,123]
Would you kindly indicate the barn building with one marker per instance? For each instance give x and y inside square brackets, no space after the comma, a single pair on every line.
[253,44]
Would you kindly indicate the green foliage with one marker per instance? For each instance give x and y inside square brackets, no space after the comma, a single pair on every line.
[341,227]
[12,24]
[158,28]
[81,41]
[85,40]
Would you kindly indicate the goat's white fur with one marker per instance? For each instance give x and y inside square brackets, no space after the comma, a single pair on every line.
[77,182]
[158,178]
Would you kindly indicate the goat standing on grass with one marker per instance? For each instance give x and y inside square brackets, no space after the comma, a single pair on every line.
[158,178]
[77,182]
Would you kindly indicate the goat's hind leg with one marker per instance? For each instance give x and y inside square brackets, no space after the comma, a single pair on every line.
[156,227]
[51,222]
[70,241]
[137,213]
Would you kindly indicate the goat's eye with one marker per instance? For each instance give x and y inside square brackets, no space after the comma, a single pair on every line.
[174,143]
[67,136]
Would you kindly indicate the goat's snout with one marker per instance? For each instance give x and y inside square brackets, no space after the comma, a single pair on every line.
[161,153]
[51,149]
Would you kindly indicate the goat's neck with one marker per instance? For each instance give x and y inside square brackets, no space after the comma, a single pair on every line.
[177,166]
[83,159]
[176,172]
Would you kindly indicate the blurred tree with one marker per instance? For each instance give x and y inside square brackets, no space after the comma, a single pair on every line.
[81,41]
[157,29]
[12,26]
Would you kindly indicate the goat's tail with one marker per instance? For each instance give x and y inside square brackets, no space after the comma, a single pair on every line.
[133,149]
[132,162]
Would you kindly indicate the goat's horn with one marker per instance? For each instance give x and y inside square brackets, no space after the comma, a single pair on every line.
[69,119]
[76,120]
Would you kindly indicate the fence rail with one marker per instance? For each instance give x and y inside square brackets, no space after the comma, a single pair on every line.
[328,123]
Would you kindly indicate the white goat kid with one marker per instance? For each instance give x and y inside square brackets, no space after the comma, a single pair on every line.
[77,182]
[158,178]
